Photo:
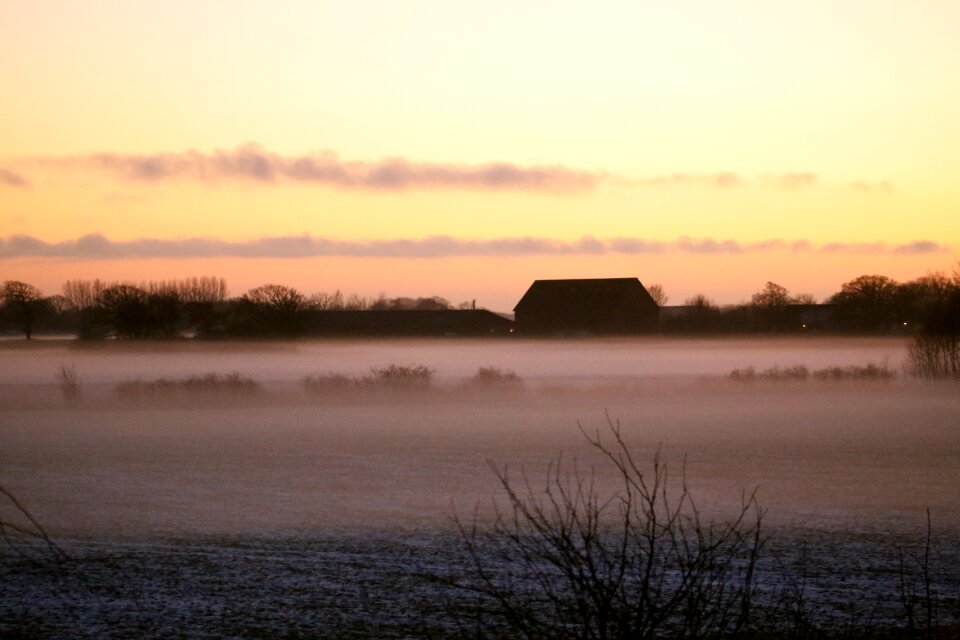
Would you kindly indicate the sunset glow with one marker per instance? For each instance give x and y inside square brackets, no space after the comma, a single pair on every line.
[465,149]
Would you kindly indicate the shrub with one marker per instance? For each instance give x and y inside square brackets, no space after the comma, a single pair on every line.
[68,378]
[800,372]
[567,562]
[416,376]
[326,382]
[232,383]
[852,372]
[496,377]
[933,356]
[747,373]
[797,372]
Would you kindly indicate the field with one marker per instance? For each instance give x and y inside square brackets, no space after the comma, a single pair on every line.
[280,511]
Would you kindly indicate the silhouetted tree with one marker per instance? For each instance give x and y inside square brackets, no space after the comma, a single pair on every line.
[436,303]
[356,303]
[275,309]
[701,315]
[658,294]
[327,301]
[23,303]
[126,309]
[770,307]
[83,296]
[164,313]
[920,301]
[201,300]
[867,303]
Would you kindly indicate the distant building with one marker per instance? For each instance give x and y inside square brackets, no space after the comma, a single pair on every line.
[602,306]
[410,322]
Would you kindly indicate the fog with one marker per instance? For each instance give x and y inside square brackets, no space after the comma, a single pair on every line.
[844,455]
[256,506]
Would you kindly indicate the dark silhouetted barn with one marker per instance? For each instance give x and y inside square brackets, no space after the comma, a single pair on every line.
[602,306]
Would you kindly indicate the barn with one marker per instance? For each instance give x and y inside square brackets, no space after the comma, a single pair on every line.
[598,306]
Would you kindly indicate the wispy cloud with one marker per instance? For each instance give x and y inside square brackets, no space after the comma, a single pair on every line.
[253,163]
[99,247]
[722,179]
[10,178]
[870,188]
[795,181]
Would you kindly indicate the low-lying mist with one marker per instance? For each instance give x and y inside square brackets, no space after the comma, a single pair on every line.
[317,488]
[274,456]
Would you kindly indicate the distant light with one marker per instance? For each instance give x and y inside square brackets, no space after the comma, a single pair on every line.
[803,326]
[904,324]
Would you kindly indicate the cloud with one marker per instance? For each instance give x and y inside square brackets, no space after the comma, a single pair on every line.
[10,178]
[870,188]
[253,163]
[795,181]
[721,180]
[99,247]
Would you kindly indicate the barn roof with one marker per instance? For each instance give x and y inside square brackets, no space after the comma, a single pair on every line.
[587,292]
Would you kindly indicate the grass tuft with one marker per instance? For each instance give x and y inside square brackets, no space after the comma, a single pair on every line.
[70,382]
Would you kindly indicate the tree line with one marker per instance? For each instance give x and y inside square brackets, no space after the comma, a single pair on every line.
[866,304]
[201,306]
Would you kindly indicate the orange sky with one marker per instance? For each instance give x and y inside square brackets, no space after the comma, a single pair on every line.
[709,147]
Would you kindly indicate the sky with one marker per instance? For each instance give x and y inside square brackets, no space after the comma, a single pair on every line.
[464,149]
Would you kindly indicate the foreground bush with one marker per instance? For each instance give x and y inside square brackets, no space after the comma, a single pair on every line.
[233,383]
[566,561]
[933,356]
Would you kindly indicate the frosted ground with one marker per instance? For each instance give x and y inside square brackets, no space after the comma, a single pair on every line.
[286,513]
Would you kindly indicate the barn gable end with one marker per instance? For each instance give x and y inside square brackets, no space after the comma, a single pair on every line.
[601,306]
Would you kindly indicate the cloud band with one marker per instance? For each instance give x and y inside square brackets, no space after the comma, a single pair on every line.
[99,247]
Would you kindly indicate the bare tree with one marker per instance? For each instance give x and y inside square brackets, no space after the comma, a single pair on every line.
[203,290]
[772,295]
[770,307]
[326,301]
[83,294]
[276,308]
[568,562]
[658,294]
